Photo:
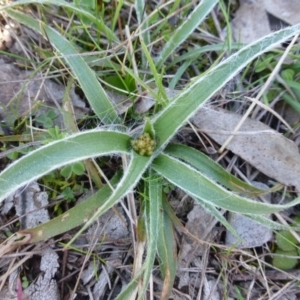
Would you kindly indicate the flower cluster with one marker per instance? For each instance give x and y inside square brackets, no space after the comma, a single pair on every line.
[144,144]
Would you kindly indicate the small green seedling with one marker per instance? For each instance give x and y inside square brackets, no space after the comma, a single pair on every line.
[68,194]
[55,133]
[285,260]
[25,282]
[76,168]
[47,118]
[286,248]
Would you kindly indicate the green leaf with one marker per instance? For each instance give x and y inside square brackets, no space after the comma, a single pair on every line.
[55,133]
[148,128]
[194,53]
[285,240]
[86,77]
[186,28]
[162,98]
[269,223]
[74,217]
[66,171]
[283,262]
[68,194]
[79,10]
[288,74]
[297,220]
[25,282]
[293,84]
[199,186]
[211,169]
[186,104]
[143,24]
[45,119]
[124,85]
[218,215]
[166,253]
[152,211]
[88,4]
[59,153]
[295,105]
[129,289]
[13,155]
[133,173]
[264,63]
[78,168]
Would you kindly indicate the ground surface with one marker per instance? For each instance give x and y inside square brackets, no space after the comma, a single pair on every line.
[100,262]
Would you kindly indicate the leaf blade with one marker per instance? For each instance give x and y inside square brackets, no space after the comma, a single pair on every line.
[74,217]
[59,153]
[93,90]
[199,186]
[212,169]
[186,28]
[186,104]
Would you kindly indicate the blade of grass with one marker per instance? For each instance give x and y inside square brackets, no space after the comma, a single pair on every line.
[199,186]
[194,54]
[116,14]
[295,105]
[269,223]
[86,77]
[74,217]
[137,166]
[152,209]
[129,289]
[101,26]
[218,215]
[71,127]
[59,153]
[166,254]
[162,100]
[140,6]
[212,169]
[176,114]
[185,29]
[179,73]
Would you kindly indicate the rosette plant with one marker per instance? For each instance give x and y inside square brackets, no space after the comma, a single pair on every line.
[148,158]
